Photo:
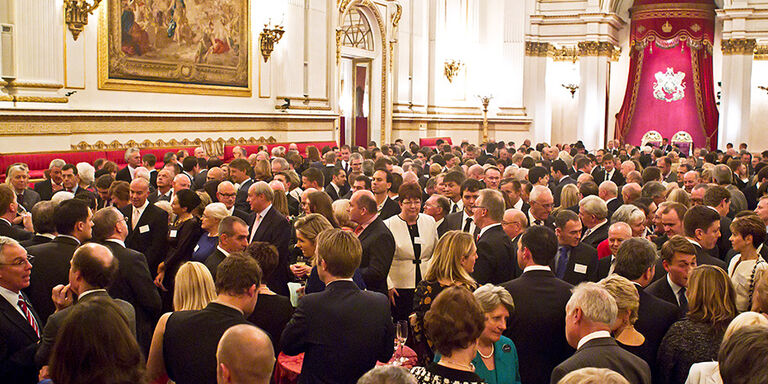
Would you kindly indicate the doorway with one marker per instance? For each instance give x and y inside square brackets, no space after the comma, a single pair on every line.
[355,101]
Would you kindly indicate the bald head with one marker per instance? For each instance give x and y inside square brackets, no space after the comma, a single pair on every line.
[514,222]
[215,173]
[244,355]
[180,182]
[93,267]
[617,233]
[630,192]
[139,192]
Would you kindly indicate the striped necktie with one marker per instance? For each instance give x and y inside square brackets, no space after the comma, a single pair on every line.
[28,314]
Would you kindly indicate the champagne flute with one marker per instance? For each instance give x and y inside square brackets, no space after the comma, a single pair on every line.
[401,336]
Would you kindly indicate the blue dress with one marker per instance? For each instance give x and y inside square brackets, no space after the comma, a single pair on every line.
[205,246]
[505,358]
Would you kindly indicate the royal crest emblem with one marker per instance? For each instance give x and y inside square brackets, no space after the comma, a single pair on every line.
[669,85]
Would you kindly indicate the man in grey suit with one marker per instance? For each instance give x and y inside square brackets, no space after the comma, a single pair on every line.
[91,271]
[588,318]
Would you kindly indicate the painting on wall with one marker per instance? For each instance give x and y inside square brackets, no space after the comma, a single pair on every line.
[176,46]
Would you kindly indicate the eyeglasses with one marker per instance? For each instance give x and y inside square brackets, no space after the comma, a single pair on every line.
[21,262]
[228,194]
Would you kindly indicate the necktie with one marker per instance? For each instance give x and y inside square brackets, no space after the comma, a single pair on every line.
[28,315]
[256,222]
[537,222]
[467,224]
[562,261]
[455,208]
[586,233]
[135,218]
[683,300]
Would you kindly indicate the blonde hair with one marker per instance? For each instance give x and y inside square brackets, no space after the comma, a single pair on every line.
[711,297]
[340,250]
[760,297]
[262,170]
[450,251]
[311,225]
[280,202]
[743,320]
[216,211]
[593,376]
[194,287]
[679,195]
[341,213]
[569,195]
[625,294]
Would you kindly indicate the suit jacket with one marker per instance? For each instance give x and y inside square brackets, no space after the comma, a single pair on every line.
[723,243]
[100,203]
[153,178]
[662,290]
[198,181]
[582,255]
[332,331]
[293,205]
[191,339]
[378,250]
[14,232]
[402,274]
[38,239]
[241,200]
[559,187]
[617,177]
[537,324]
[150,237]
[124,175]
[655,316]
[389,209]
[604,267]
[703,257]
[496,258]
[134,284]
[276,230]
[51,267]
[751,194]
[605,353]
[29,198]
[18,343]
[597,235]
[241,214]
[213,260]
[451,222]
[612,206]
[44,189]
[331,191]
[57,320]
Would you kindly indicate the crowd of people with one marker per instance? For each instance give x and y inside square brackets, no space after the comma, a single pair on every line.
[502,263]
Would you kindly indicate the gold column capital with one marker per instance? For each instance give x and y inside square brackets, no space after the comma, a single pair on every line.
[598,48]
[738,46]
[534,48]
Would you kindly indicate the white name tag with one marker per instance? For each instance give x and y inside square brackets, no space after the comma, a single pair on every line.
[196,248]
[173,234]
[144,229]
[417,240]
[580,268]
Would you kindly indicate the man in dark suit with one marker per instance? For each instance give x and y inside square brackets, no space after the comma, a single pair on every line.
[233,237]
[192,337]
[376,239]
[42,221]
[608,172]
[226,194]
[702,229]
[329,327]
[636,261]
[148,161]
[381,182]
[238,173]
[337,186]
[133,282]
[133,159]
[92,270]
[147,226]
[590,312]
[678,257]
[536,326]
[560,179]
[575,262]
[71,182]
[53,183]
[103,198]
[19,180]
[20,325]
[9,209]
[267,224]
[542,202]
[496,260]
[164,191]
[594,218]
[245,354]
[719,199]
[610,194]
[618,232]
[73,225]
[463,220]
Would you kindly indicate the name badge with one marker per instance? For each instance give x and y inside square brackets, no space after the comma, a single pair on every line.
[417,240]
[580,268]
[173,234]
[144,229]
[196,248]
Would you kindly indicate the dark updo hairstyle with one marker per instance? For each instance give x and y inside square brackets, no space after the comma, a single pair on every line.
[454,321]
[188,199]
[266,255]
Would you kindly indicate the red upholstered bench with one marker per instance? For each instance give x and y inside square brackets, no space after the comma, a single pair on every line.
[432,141]
[39,162]
[119,156]
[251,149]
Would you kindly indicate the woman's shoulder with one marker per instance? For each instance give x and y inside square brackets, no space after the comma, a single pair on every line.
[435,373]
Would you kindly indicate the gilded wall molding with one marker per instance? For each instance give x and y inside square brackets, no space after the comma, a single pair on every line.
[211,145]
[564,54]
[537,49]
[398,13]
[596,48]
[761,52]
[34,84]
[738,46]
[35,99]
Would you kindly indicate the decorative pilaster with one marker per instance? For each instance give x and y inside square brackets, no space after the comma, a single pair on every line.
[594,60]
[737,91]
[537,104]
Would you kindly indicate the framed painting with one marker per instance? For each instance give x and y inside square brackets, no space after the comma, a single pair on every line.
[176,46]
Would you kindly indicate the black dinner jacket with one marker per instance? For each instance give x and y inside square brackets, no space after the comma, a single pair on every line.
[751,194]
[38,239]
[153,178]
[496,258]
[617,177]
[605,353]
[612,206]
[389,209]
[604,266]
[451,222]
[293,205]
[704,258]
[50,268]
[134,284]
[662,290]
[559,187]
[332,331]
[597,236]
[655,316]
[241,199]
[378,250]
[537,324]
[191,338]
[153,243]
[276,230]
[332,192]
[581,254]
[14,232]
[213,260]
[124,175]
[29,198]
[723,242]
[18,344]
[44,189]
[241,214]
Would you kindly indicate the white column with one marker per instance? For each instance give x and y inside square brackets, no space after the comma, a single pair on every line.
[535,93]
[593,62]
[737,92]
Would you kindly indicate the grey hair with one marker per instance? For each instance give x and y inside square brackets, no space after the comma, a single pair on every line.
[86,172]
[61,196]
[358,156]
[217,211]
[628,213]
[652,189]
[593,376]
[278,151]
[634,257]
[284,166]
[595,206]
[722,174]
[494,204]
[57,163]
[610,187]
[595,302]
[537,191]
[261,188]
[6,241]
[387,374]
[491,296]
[13,169]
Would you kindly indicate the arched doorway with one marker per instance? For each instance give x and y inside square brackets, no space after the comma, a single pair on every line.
[361,69]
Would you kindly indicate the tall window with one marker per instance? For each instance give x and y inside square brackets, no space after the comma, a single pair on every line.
[356,31]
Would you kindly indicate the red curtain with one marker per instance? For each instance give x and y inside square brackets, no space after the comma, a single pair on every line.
[670,86]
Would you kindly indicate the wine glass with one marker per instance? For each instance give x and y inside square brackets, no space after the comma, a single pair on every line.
[401,328]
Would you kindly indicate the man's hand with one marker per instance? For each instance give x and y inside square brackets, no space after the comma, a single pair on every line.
[61,296]
[27,221]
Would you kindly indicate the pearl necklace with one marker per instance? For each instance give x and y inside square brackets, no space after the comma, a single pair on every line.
[484,356]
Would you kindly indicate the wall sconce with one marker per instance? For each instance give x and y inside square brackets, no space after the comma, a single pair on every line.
[485,100]
[571,87]
[452,68]
[76,12]
[268,38]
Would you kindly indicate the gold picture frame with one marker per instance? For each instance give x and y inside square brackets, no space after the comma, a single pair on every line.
[168,51]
